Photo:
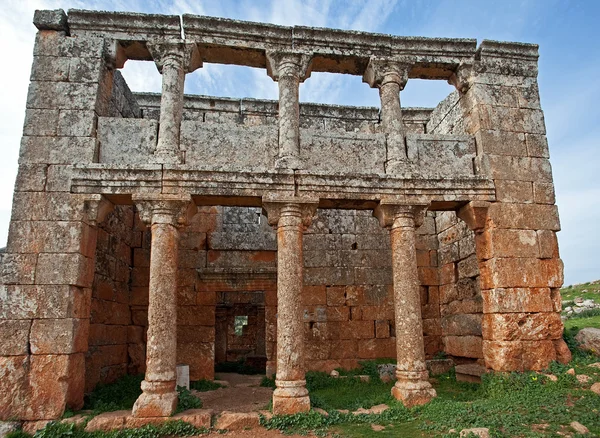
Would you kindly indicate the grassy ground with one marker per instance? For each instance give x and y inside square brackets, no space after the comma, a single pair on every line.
[592,291]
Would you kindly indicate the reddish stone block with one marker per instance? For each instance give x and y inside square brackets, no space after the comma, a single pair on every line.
[102,334]
[311,296]
[448,274]
[468,268]
[59,336]
[428,276]
[382,329]
[523,216]
[196,315]
[355,295]
[344,349]
[376,348]
[432,327]
[548,244]
[514,191]
[374,313]
[432,345]
[14,388]
[463,346]
[73,269]
[18,268]
[471,306]
[511,300]
[538,355]
[339,313]
[336,295]
[521,272]
[503,355]
[563,354]
[200,356]
[209,298]
[56,382]
[14,337]
[507,243]
[521,326]
[136,334]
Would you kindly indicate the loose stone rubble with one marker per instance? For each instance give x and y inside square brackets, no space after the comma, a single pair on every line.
[141,237]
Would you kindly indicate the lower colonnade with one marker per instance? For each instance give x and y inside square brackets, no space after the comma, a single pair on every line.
[166,213]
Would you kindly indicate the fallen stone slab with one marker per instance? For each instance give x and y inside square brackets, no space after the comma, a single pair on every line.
[124,420]
[469,372]
[579,428]
[595,388]
[8,426]
[237,420]
[439,366]
[32,427]
[482,432]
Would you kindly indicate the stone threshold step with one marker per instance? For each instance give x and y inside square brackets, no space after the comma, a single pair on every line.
[469,372]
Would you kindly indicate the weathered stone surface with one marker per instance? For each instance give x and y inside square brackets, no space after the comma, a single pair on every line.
[237,420]
[589,339]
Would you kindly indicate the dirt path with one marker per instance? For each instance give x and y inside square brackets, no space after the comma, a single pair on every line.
[244,394]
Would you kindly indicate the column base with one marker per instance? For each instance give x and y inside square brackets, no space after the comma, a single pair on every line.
[290,397]
[158,399]
[414,389]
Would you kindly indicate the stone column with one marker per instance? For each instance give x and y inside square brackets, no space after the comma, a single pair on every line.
[174,60]
[412,386]
[290,218]
[390,77]
[288,69]
[165,214]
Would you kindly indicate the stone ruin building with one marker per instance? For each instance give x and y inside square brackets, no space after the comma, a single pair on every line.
[146,226]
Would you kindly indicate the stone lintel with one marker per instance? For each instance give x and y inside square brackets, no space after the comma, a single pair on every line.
[173,209]
[387,212]
[510,50]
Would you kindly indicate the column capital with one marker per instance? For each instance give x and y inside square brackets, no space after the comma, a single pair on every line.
[301,209]
[400,215]
[177,54]
[381,71]
[160,208]
[288,63]
[462,77]
[97,208]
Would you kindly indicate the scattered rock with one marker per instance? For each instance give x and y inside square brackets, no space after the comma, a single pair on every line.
[568,309]
[596,388]
[343,411]
[377,427]
[334,373]
[578,310]
[32,427]
[482,432]
[77,420]
[360,411]
[8,426]
[589,339]
[594,365]
[378,409]
[237,420]
[582,378]
[108,421]
[551,377]
[571,371]
[268,414]
[439,366]
[578,300]
[323,412]
[364,378]
[387,372]
[579,428]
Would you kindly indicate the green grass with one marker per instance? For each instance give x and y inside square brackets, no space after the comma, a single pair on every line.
[204,385]
[115,396]
[569,293]
[579,322]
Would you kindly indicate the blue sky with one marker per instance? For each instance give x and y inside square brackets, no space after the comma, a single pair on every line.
[567,32]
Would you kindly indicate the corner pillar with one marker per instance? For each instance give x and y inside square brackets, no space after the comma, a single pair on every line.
[173,60]
[290,218]
[412,386]
[165,214]
[288,69]
[390,77]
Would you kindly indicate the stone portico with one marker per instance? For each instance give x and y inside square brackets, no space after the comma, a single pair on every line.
[144,224]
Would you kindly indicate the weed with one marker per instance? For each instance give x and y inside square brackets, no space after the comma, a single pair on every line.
[204,385]
[187,400]
[268,382]
[115,396]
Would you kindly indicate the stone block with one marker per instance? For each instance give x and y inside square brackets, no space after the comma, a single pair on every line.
[463,346]
[76,123]
[61,95]
[32,206]
[237,420]
[522,326]
[52,237]
[59,178]
[548,244]
[56,382]
[86,70]
[40,122]
[28,301]
[471,306]
[49,68]
[126,141]
[376,348]
[520,192]
[461,325]
[521,272]
[523,216]
[514,300]
[14,337]
[500,167]
[468,267]
[382,329]
[543,193]
[31,178]
[73,269]
[336,296]
[329,276]
[59,336]
[18,268]
[537,145]
[507,243]
[428,276]
[50,19]
[14,386]
[501,143]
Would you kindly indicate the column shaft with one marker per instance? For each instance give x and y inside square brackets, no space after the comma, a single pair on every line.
[171,110]
[289,117]
[291,395]
[412,385]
